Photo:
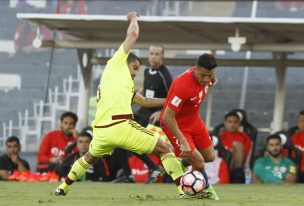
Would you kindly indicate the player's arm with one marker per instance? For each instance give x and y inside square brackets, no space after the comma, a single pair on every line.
[141,91]
[170,121]
[148,102]
[132,32]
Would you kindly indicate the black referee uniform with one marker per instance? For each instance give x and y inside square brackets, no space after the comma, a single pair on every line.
[156,85]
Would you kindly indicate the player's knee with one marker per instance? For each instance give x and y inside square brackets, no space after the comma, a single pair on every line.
[210,157]
[162,147]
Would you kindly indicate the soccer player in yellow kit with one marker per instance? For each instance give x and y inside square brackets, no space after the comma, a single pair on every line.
[113,126]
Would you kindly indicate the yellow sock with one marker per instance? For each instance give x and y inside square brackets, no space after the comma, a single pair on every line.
[78,169]
[64,186]
[180,190]
[173,167]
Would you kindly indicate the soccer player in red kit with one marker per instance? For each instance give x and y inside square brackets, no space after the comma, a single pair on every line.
[180,118]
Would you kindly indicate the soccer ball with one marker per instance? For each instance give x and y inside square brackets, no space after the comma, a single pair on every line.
[193,182]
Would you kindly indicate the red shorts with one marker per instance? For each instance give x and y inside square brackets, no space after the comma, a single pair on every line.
[196,134]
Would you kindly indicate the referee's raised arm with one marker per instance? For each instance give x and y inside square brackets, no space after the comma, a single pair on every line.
[132,32]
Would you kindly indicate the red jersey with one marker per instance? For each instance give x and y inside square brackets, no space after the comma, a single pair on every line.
[185,97]
[53,145]
[228,138]
[298,141]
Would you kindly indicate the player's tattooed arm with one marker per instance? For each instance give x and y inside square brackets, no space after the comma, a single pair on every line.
[148,102]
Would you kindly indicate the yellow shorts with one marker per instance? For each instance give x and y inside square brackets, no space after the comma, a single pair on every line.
[127,135]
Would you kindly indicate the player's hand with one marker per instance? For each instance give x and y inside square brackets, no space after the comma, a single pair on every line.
[213,80]
[132,15]
[185,149]
[155,117]
[73,132]
[15,158]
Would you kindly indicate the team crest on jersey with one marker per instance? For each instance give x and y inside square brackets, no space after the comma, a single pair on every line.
[283,169]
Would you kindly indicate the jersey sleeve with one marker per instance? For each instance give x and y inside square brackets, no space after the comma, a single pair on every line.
[178,97]
[44,150]
[120,57]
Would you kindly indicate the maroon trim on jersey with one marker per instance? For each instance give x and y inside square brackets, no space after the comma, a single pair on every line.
[110,125]
[122,116]
[106,166]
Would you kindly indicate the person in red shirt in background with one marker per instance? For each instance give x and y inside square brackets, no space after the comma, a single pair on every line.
[180,118]
[51,151]
[298,141]
[238,143]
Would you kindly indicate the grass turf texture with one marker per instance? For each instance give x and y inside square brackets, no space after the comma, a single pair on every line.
[91,194]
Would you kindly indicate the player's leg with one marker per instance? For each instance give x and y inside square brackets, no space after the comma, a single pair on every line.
[208,156]
[140,140]
[203,143]
[155,171]
[122,156]
[78,169]
[170,162]
[99,146]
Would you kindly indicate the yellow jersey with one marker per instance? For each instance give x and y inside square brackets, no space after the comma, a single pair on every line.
[115,90]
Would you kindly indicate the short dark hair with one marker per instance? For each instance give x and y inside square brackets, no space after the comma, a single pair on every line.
[230,114]
[132,57]
[69,114]
[87,132]
[301,113]
[273,136]
[12,139]
[206,61]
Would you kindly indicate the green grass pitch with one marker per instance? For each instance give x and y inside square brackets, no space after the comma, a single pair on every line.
[93,194]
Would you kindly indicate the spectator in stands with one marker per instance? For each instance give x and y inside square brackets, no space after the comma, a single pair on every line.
[298,141]
[11,163]
[157,81]
[51,151]
[99,171]
[238,143]
[274,168]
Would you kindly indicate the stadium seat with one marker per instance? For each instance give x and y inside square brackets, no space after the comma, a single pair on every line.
[292,130]
[222,151]
[248,128]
